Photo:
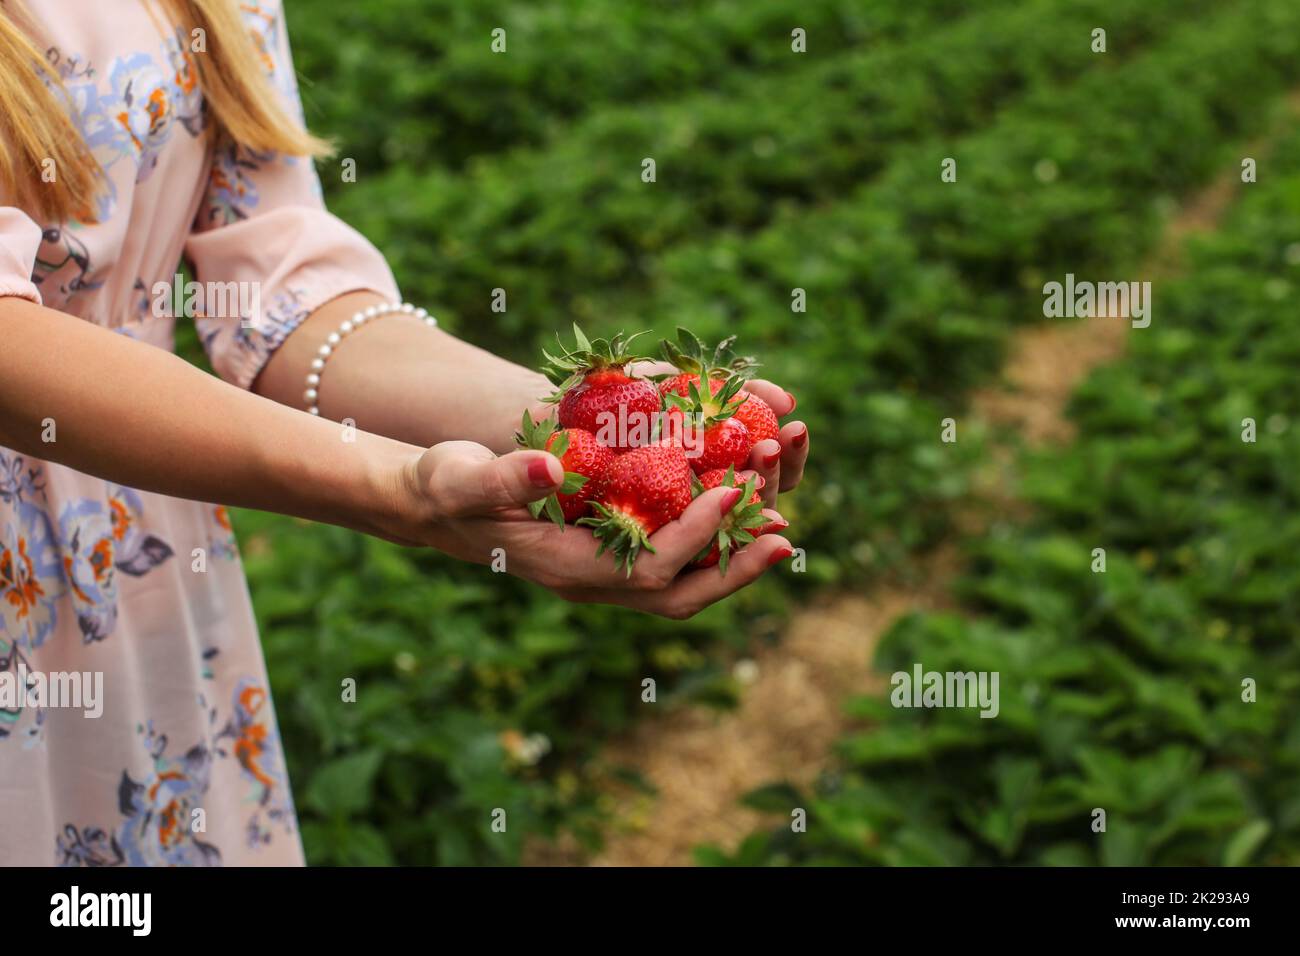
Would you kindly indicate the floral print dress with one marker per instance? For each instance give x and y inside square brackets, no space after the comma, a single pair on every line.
[184,764]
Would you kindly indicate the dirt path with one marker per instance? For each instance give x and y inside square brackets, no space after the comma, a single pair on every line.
[701,761]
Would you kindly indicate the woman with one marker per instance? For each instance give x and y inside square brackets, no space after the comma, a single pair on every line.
[135,133]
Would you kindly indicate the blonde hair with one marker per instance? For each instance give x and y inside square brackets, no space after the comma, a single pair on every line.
[36,127]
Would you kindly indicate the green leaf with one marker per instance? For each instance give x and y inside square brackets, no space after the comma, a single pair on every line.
[1245,843]
[773,798]
[360,844]
[554,511]
[573,483]
[342,786]
[584,345]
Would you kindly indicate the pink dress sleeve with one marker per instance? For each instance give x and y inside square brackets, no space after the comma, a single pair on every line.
[263,224]
[20,240]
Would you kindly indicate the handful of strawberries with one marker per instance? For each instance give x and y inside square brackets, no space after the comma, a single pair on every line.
[637,450]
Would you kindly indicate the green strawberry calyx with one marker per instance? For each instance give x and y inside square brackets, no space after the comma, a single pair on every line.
[534,435]
[619,533]
[689,354]
[738,525]
[705,410]
[569,366]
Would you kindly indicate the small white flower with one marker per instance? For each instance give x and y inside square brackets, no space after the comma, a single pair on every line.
[1046,171]
[745,671]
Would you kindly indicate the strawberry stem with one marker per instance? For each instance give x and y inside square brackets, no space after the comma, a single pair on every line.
[619,533]
[571,365]
[689,354]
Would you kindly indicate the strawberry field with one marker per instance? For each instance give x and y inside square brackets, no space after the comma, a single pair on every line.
[1129,683]
[816,177]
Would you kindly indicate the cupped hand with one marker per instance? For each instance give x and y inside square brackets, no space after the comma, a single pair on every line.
[466,501]
[779,460]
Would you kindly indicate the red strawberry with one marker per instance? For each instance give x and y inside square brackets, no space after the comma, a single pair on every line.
[726,445]
[585,462]
[598,396]
[758,418]
[583,455]
[680,384]
[681,430]
[642,491]
[741,525]
[707,427]
[617,408]
[718,476]
[753,411]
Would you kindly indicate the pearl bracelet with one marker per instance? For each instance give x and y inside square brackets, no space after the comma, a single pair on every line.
[312,393]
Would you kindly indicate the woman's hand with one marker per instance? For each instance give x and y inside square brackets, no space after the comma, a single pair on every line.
[463,500]
[780,461]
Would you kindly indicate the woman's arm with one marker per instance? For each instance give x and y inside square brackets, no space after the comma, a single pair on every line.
[140,416]
[400,378]
[134,414]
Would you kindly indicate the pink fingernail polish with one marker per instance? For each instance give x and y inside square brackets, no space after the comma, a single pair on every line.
[730,498]
[779,555]
[539,473]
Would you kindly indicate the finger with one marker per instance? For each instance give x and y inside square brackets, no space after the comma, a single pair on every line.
[765,460]
[678,542]
[794,453]
[775,523]
[781,401]
[467,479]
[556,557]
[567,558]
[696,590]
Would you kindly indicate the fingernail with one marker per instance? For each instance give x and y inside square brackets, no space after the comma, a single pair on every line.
[800,439]
[539,472]
[769,461]
[772,527]
[780,554]
[730,498]
[793,404]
